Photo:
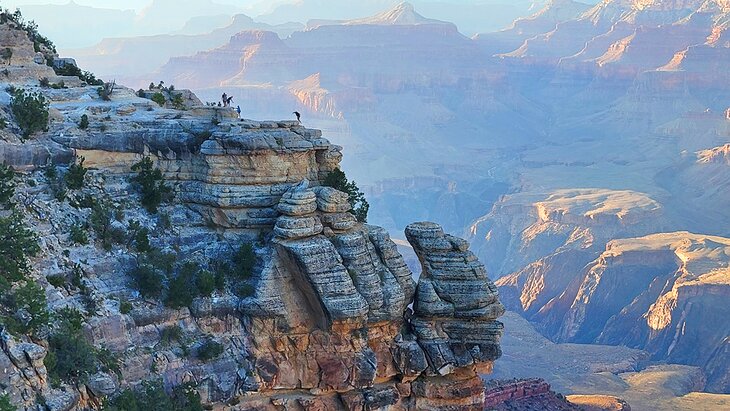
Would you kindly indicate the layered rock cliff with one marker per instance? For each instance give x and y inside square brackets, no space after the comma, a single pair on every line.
[321,316]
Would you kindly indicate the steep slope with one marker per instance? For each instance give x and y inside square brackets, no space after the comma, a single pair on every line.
[660,292]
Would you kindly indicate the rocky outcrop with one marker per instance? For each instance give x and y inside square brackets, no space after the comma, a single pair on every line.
[456,304]
[526,394]
[331,315]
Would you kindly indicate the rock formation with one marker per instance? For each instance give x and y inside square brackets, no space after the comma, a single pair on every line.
[320,320]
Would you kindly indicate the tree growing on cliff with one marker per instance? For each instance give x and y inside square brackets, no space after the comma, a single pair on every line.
[7,186]
[151,185]
[338,180]
[74,177]
[84,122]
[30,111]
[159,98]
[17,245]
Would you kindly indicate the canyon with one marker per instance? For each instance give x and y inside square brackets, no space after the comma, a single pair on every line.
[582,151]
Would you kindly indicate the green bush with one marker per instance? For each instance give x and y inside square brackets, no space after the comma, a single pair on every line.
[78,234]
[74,177]
[245,290]
[178,102]
[86,76]
[171,334]
[5,404]
[209,350]
[30,111]
[29,298]
[71,358]
[7,186]
[102,216]
[125,307]
[338,180]
[159,98]
[206,283]
[57,280]
[152,396]
[140,236]
[17,245]
[182,288]
[244,261]
[147,280]
[84,123]
[151,184]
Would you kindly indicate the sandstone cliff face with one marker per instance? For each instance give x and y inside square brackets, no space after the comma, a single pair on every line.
[562,270]
[327,323]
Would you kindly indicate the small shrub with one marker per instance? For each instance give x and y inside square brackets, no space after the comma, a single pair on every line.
[140,93]
[5,404]
[152,185]
[30,111]
[125,307]
[83,202]
[70,357]
[57,280]
[244,261]
[171,334]
[17,245]
[338,180]
[7,186]
[102,214]
[140,236]
[3,124]
[162,260]
[178,102]
[29,298]
[84,123]
[44,82]
[152,396]
[159,98]
[180,291]
[206,283]
[78,234]
[147,280]
[209,350]
[74,177]
[245,290]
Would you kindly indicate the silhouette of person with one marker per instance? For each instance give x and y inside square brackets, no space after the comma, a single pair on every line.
[224,98]
[238,110]
[228,102]
[299,116]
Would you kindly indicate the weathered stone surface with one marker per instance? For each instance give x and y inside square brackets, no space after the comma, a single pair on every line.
[456,304]
[102,384]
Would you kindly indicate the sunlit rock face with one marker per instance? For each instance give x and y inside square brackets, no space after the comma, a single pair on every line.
[661,292]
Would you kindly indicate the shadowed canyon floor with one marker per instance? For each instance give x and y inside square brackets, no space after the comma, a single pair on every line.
[576,369]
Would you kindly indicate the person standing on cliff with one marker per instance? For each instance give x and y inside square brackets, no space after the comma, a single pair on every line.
[238,110]
[224,98]
[299,116]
